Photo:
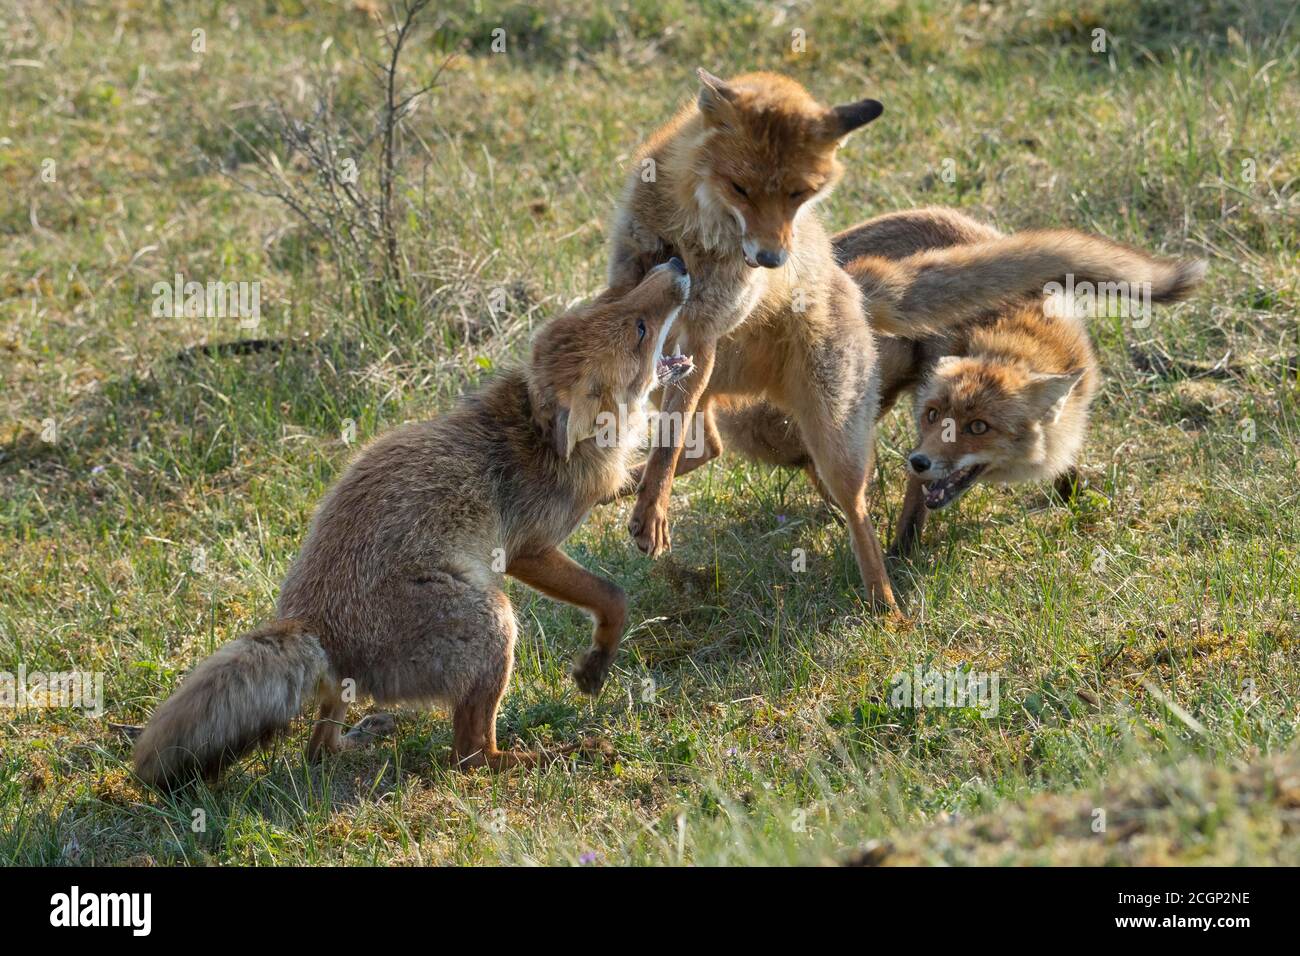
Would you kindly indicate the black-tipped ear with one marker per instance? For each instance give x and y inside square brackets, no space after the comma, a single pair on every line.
[851,116]
[560,432]
[715,95]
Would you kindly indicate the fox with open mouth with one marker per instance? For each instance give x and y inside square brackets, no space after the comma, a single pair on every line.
[398,592]
[1002,392]
[1005,398]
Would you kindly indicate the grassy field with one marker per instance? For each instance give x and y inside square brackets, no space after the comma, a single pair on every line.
[152,495]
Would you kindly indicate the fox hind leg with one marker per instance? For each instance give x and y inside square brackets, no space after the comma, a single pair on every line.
[327,736]
[474,715]
[843,457]
[475,734]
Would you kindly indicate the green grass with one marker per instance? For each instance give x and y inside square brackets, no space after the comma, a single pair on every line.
[1145,637]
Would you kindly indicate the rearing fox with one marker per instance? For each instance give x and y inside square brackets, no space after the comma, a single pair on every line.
[399,587]
[730,184]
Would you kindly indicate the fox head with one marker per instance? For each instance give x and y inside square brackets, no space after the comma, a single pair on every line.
[769,152]
[981,420]
[605,356]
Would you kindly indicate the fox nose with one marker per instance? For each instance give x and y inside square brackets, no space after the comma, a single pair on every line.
[771,260]
[920,463]
[677,266]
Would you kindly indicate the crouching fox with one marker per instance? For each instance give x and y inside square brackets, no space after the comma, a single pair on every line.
[1002,391]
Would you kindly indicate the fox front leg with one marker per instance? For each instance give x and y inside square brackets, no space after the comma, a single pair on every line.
[911,519]
[649,522]
[557,575]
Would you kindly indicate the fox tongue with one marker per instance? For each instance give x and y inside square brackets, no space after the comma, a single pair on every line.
[673,368]
[946,490]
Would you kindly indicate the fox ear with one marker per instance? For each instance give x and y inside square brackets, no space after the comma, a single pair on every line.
[573,423]
[560,432]
[842,120]
[715,97]
[1049,392]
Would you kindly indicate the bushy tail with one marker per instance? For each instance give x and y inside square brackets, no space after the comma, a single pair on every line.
[242,695]
[932,291]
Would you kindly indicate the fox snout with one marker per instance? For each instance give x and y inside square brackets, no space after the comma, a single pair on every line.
[757,255]
[769,248]
[682,283]
[943,483]
[927,468]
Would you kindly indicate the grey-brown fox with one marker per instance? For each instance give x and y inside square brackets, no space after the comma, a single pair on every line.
[398,593]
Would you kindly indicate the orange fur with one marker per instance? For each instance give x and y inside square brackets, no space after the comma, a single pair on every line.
[1026,376]
[730,184]
[735,176]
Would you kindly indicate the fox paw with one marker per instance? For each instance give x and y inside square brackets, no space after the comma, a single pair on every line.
[593,746]
[592,669]
[129,731]
[649,529]
[586,747]
[372,727]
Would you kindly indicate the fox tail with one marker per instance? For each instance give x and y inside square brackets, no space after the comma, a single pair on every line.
[243,695]
[932,291]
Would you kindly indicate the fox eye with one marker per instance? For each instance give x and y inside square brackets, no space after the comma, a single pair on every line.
[931,415]
[640,331]
[977,427]
[800,193]
[740,189]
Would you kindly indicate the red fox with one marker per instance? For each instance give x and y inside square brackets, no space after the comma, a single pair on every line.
[398,592]
[730,184]
[1001,397]
[733,173]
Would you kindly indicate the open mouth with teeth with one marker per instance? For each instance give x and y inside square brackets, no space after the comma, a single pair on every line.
[944,491]
[673,368]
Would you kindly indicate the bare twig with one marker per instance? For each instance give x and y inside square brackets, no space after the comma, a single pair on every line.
[355,214]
